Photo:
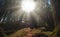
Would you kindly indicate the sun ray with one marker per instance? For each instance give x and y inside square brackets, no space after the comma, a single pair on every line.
[28,5]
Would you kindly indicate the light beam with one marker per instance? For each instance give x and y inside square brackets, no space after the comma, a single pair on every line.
[28,5]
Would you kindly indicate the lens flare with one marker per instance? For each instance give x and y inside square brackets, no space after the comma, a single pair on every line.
[28,5]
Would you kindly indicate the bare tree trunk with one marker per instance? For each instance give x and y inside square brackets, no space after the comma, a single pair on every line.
[56,8]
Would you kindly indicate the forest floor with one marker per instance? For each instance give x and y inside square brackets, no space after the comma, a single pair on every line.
[27,32]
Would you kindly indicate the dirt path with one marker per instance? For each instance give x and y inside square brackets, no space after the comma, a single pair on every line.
[26,32]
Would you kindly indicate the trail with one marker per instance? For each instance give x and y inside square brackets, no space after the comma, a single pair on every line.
[26,32]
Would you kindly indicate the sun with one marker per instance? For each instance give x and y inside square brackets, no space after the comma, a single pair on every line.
[28,5]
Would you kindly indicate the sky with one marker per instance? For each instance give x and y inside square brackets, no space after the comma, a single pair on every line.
[49,2]
[2,2]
